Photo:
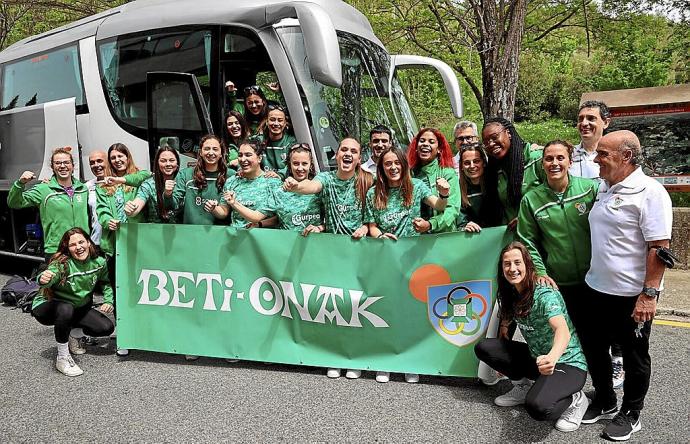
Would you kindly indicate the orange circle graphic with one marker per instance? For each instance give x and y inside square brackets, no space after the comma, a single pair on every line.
[427,276]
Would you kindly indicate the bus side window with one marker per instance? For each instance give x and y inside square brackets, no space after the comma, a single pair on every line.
[42,78]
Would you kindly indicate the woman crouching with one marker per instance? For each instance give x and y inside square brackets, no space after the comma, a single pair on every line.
[66,297]
[549,371]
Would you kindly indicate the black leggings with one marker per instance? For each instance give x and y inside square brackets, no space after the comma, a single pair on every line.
[64,316]
[551,394]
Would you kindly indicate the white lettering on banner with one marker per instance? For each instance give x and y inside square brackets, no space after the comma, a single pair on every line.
[281,297]
[178,291]
[163,295]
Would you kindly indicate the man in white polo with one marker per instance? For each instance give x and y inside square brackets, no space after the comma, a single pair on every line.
[630,220]
[380,141]
[592,119]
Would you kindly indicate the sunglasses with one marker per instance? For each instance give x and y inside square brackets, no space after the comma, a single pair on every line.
[252,89]
[300,145]
[278,107]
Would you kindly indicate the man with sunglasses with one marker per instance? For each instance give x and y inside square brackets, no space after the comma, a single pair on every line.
[380,141]
[464,134]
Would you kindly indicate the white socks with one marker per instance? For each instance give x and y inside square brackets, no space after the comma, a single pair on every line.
[63,350]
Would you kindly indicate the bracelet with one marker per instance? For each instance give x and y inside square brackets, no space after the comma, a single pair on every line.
[441,196]
[260,224]
[379,236]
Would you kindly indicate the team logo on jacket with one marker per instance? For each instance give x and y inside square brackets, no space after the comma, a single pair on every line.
[581,207]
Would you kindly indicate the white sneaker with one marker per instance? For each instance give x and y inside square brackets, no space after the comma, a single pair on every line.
[122,352]
[516,396]
[333,373]
[412,378]
[353,374]
[75,346]
[572,417]
[191,357]
[618,372]
[231,360]
[67,366]
[493,379]
[383,377]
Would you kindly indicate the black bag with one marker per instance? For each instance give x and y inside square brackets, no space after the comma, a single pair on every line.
[20,292]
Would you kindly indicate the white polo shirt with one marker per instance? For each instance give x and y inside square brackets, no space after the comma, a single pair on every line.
[583,163]
[623,219]
[369,166]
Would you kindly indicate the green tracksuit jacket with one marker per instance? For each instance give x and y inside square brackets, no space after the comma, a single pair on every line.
[534,176]
[82,278]
[58,211]
[472,212]
[445,221]
[556,230]
[109,207]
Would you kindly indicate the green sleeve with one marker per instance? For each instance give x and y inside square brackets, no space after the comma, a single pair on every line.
[107,285]
[445,221]
[136,179]
[20,198]
[529,233]
[56,276]
[176,201]
[369,207]
[462,219]
[103,208]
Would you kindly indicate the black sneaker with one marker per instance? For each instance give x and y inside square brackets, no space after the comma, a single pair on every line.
[596,412]
[623,426]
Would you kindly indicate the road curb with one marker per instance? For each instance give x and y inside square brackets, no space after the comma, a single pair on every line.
[673,312]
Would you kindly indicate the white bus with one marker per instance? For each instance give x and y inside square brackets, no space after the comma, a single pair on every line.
[154,71]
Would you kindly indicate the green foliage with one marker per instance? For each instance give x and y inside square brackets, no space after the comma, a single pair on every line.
[680,199]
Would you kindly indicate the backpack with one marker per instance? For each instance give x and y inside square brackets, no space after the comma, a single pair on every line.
[20,292]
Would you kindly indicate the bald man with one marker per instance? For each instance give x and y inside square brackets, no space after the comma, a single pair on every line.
[98,162]
[630,220]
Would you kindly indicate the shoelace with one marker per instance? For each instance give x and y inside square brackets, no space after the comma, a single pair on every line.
[70,361]
[622,418]
[617,369]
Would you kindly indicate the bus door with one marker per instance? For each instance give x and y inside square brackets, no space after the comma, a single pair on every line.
[177,114]
[29,134]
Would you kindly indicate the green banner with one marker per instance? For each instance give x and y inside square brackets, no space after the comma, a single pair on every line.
[417,305]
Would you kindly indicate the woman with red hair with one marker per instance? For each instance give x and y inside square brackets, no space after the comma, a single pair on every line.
[430,158]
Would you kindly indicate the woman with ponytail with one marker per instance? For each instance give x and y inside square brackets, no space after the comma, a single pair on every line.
[514,168]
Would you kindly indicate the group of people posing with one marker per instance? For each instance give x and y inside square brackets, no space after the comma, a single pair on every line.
[553,281]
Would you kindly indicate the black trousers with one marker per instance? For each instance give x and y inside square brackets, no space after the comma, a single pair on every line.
[609,320]
[64,316]
[551,394]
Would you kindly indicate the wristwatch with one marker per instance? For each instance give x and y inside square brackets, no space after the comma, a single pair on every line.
[651,292]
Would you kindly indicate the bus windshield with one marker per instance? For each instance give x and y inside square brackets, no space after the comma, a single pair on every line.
[366,98]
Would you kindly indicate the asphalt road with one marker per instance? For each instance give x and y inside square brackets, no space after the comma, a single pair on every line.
[151,397]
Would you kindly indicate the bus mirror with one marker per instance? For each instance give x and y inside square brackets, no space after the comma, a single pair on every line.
[450,80]
[320,39]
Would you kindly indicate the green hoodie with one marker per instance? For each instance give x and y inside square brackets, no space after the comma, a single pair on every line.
[533,176]
[440,222]
[81,279]
[555,229]
[58,211]
[112,206]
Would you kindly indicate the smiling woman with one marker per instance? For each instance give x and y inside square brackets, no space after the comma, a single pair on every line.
[62,201]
